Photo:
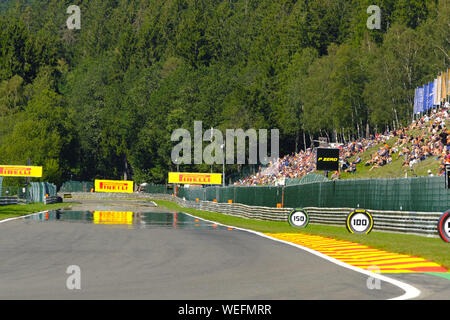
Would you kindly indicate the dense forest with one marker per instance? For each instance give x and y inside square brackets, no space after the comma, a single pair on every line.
[102,101]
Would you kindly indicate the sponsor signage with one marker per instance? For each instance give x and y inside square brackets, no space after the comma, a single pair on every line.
[327,159]
[195,178]
[113,217]
[298,218]
[359,221]
[20,171]
[114,186]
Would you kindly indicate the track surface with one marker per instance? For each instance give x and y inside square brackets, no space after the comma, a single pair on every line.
[117,262]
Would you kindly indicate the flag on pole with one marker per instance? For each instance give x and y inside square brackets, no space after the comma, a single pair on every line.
[439,88]
[430,95]
[416,98]
[425,98]
[435,96]
[419,100]
[448,82]
[444,85]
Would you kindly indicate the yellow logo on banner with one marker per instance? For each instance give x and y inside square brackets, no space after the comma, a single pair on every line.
[20,171]
[327,159]
[113,186]
[195,178]
[113,217]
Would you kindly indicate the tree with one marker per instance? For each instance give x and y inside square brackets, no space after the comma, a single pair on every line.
[45,135]
[292,92]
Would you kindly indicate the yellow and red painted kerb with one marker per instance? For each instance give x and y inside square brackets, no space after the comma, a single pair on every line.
[361,256]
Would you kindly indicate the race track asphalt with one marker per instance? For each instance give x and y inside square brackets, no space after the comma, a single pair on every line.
[119,262]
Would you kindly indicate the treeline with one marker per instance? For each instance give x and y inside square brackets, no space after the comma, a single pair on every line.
[103,101]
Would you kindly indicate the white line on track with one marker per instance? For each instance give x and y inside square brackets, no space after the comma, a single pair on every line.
[21,217]
[410,291]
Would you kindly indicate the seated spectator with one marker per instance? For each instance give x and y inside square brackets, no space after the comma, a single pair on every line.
[335,175]
[433,139]
[352,168]
[345,165]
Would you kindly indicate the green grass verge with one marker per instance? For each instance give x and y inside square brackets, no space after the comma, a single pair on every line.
[18,210]
[433,249]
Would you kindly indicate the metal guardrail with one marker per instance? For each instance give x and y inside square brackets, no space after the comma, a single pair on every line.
[407,222]
[52,199]
[419,223]
[4,201]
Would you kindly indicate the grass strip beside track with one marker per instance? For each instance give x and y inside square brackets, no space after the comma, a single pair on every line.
[18,210]
[433,249]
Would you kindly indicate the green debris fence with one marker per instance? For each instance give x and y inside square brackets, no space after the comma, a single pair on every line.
[427,194]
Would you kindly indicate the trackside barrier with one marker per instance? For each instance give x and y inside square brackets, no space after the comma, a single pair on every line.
[4,201]
[424,194]
[52,199]
[77,186]
[420,223]
[39,190]
[407,222]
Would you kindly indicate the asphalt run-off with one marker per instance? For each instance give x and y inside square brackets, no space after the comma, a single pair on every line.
[135,250]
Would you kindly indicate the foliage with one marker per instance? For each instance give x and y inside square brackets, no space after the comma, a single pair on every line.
[103,101]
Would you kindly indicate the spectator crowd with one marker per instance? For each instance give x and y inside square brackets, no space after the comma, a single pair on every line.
[425,137]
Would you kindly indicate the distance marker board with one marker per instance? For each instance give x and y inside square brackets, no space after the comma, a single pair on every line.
[359,221]
[298,218]
[444,226]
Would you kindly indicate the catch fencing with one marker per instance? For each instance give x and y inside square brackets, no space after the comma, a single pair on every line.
[36,192]
[14,191]
[158,188]
[77,186]
[419,194]
[405,205]
[39,190]
[309,178]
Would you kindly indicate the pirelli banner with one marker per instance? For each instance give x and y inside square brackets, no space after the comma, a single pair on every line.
[113,217]
[327,159]
[114,186]
[20,171]
[195,178]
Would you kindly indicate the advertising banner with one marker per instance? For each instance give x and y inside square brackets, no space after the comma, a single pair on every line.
[327,159]
[20,171]
[195,178]
[113,217]
[114,186]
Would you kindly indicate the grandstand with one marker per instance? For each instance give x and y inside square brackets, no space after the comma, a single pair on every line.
[422,148]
